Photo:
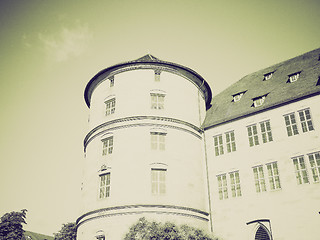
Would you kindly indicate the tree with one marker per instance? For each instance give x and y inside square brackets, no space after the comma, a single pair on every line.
[146,230]
[11,225]
[67,232]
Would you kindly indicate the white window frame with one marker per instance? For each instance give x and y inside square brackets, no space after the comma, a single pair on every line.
[259,179]
[157,73]
[218,145]
[267,76]
[157,100]
[266,133]
[107,145]
[222,186]
[237,97]
[230,141]
[300,170]
[274,176]
[253,136]
[257,102]
[158,140]
[291,124]
[294,77]
[111,79]
[158,181]
[110,106]
[305,120]
[314,161]
[235,183]
[104,185]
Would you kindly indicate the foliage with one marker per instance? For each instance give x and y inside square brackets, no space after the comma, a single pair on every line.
[11,225]
[67,232]
[145,230]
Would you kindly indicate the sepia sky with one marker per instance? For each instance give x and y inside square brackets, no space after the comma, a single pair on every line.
[49,50]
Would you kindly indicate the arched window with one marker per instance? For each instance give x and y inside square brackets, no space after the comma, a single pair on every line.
[262,234]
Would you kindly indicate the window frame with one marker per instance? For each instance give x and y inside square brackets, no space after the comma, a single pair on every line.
[315,166]
[253,135]
[230,141]
[157,100]
[158,181]
[158,140]
[104,185]
[273,176]
[301,170]
[266,132]
[218,144]
[110,106]
[235,184]
[107,145]
[222,186]
[294,77]
[267,76]
[305,120]
[259,178]
[291,127]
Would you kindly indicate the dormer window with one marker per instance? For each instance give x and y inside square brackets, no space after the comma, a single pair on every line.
[257,102]
[293,77]
[268,76]
[237,97]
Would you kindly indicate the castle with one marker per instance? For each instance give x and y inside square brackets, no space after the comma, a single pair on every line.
[244,164]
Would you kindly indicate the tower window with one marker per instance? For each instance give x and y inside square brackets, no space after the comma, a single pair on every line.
[253,135]
[274,179]
[107,144]
[104,190]
[157,101]
[259,179]
[111,81]
[293,77]
[235,184]
[110,106]
[291,124]
[268,76]
[218,145]
[314,160]
[305,119]
[300,169]
[158,181]
[222,186]
[157,73]
[158,140]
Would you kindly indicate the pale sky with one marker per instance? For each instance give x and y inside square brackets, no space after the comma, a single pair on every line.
[49,50]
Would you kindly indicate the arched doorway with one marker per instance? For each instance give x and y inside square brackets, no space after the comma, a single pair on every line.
[262,234]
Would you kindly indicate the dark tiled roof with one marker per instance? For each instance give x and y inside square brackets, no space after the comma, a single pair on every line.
[148,62]
[277,89]
[36,236]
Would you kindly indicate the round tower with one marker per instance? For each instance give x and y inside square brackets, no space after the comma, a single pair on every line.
[144,152]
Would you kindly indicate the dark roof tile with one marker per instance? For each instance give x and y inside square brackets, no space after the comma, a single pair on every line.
[277,89]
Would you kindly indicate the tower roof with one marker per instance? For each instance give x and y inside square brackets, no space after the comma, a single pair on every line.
[149,62]
[272,83]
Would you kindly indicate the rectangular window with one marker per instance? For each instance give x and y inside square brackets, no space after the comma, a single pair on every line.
[231,141]
[274,179]
[235,184]
[300,169]
[107,146]
[222,186]
[157,75]
[111,81]
[314,160]
[158,181]
[253,135]
[218,145]
[266,131]
[259,179]
[110,106]
[104,189]
[291,124]
[157,101]
[305,119]
[158,140]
